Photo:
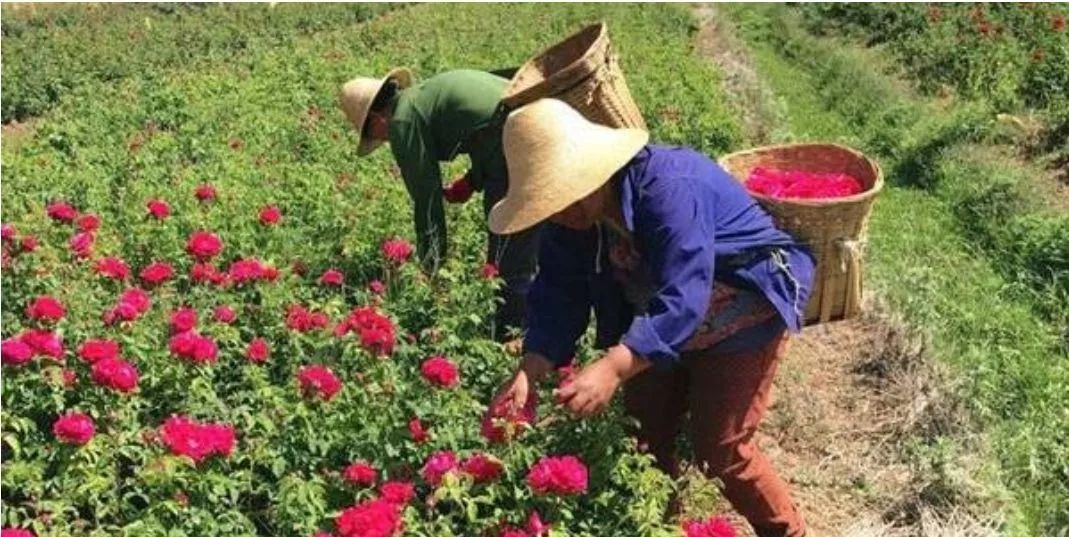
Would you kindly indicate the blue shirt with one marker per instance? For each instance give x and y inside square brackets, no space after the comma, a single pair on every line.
[693,224]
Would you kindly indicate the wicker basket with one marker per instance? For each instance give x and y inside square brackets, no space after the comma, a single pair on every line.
[582,71]
[834,229]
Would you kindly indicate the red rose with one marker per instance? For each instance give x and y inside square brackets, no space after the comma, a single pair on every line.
[225,314]
[270,273]
[206,273]
[458,191]
[158,209]
[438,370]
[132,304]
[74,428]
[194,347]
[136,298]
[376,287]
[376,331]
[205,192]
[157,272]
[437,466]
[28,243]
[88,222]
[245,270]
[258,351]
[716,526]
[558,476]
[204,245]
[98,349]
[270,215]
[489,271]
[15,352]
[1057,22]
[372,518]
[332,277]
[8,232]
[70,378]
[318,381]
[116,374]
[185,437]
[16,532]
[183,320]
[419,434]
[535,527]
[81,244]
[302,320]
[397,251]
[397,492]
[43,343]
[360,473]
[502,423]
[112,267]
[45,308]
[61,212]
[482,468]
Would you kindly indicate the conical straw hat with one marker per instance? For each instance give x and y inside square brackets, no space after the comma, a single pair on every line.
[357,96]
[556,157]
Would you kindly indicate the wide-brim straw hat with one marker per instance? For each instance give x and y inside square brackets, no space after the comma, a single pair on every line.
[357,96]
[556,157]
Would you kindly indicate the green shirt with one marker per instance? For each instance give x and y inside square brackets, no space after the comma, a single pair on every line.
[432,122]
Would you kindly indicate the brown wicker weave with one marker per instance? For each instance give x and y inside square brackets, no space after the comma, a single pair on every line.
[834,229]
[582,71]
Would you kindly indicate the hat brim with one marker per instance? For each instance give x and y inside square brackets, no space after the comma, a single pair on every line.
[511,215]
[365,146]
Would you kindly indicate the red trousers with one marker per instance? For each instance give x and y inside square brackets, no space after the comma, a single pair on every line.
[726,396]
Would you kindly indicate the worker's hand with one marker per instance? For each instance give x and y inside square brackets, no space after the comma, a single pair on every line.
[513,394]
[460,190]
[591,390]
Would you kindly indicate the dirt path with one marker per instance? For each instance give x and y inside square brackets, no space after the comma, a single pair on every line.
[850,395]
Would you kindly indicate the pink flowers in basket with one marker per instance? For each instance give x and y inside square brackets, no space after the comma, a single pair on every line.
[796,184]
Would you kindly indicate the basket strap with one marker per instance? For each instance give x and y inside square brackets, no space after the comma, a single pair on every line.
[850,263]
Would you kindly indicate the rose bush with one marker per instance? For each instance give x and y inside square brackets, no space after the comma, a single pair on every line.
[209,430]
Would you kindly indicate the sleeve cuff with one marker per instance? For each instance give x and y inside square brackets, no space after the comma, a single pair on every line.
[644,341]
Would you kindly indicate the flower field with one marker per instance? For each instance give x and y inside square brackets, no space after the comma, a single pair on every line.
[211,321]
[213,324]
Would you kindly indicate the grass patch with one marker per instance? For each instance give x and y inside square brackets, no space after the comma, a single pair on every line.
[927,254]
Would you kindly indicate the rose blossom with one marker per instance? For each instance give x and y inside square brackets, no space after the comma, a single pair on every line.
[437,466]
[558,476]
[183,320]
[45,308]
[332,277]
[74,428]
[224,314]
[112,267]
[88,222]
[204,245]
[360,473]
[157,272]
[440,371]
[93,350]
[270,215]
[397,251]
[318,381]
[258,351]
[372,518]
[116,374]
[61,212]
[159,209]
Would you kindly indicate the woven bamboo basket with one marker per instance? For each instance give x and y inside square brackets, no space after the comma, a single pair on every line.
[834,229]
[584,72]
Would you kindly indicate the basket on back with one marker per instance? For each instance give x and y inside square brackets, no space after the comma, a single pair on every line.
[582,71]
[834,229]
